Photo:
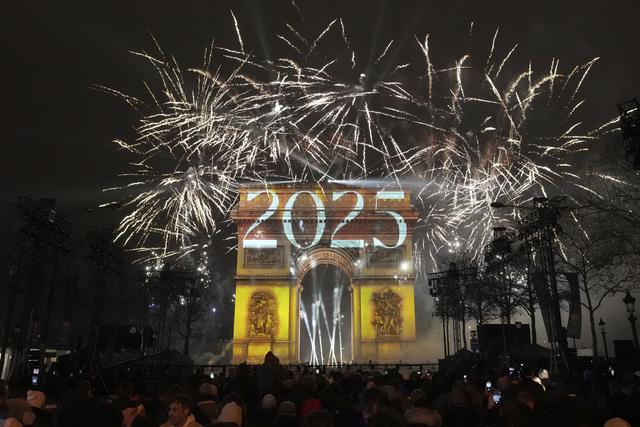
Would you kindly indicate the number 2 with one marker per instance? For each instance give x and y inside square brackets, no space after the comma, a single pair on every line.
[346,243]
[262,243]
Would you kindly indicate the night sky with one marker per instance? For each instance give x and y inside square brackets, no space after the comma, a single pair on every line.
[58,128]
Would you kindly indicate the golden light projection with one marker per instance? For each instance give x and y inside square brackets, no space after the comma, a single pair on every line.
[262,314]
[387,317]
[285,232]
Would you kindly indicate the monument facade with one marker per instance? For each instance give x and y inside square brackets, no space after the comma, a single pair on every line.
[284,232]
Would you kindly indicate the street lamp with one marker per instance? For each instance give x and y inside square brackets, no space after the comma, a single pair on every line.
[630,302]
[604,338]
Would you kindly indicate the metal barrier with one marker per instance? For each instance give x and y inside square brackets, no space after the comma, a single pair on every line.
[154,367]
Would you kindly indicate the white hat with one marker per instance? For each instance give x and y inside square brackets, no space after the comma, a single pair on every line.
[268,401]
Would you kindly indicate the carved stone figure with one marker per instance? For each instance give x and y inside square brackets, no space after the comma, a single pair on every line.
[387,316]
[262,314]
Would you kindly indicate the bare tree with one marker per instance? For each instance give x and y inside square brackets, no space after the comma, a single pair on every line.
[479,300]
[601,251]
[616,191]
[191,307]
[181,295]
[13,281]
[507,271]
[528,303]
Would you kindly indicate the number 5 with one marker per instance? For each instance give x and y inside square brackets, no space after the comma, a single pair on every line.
[402,226]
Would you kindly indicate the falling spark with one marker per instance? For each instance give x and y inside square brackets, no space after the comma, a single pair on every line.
[235,24]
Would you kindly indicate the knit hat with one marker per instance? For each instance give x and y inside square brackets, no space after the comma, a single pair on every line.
[268,401]
[36,398]
[231,413]
[287,408]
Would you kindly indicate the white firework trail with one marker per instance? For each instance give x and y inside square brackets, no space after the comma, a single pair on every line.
[476,132]
[493,136]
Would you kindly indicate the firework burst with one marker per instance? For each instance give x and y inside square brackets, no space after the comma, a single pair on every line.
[476,132]
[493,135]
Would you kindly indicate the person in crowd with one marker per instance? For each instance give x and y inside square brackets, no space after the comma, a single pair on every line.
[18,414]
[422,417]
[268,411]
[286,416]
[4,391]
[233,412]
[270,395]
[318,419]
[155,408]
[180,413]
[385,417]
[374,399]
[206,401]
[36,400]
[124,396]
[83,409]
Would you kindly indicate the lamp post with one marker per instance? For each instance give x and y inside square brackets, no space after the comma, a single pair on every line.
[604,338]
[630,302]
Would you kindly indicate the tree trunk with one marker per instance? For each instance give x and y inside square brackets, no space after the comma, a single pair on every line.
[534,334]
[187,335]
[47,318]
[532,314]
[592,323]
[464,332]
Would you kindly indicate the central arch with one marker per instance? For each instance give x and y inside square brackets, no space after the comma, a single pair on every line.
[325,329]
[340,258]
[344,262]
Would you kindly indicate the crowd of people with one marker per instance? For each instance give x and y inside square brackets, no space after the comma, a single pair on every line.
[272,395]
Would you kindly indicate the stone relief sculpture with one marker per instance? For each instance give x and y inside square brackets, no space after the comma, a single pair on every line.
[262,314]
[265,257]
[387,315]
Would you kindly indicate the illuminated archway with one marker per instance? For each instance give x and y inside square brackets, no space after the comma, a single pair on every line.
[325,304]
[337,257]
[286,231]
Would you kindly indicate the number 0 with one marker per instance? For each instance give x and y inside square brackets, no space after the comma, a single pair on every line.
[286,219]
